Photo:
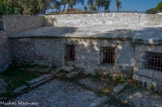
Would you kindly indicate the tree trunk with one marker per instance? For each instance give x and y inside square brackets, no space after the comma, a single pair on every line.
[98,9]
[117,9]
[95,4]
[89,6]
[63,8]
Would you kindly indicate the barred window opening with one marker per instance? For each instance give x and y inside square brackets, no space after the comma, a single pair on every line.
[108,55]
[70,53]
[154,61]
[1,23]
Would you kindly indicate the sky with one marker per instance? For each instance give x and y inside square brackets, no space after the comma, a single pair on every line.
[129,5]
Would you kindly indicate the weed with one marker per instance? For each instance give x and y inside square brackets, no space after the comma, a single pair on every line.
[16,76]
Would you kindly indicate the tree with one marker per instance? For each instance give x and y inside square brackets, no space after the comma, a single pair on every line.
[100,3]
[93,8]
[71,3]
[3,6]
[64,2]
[57,5]
[155,10]
[151,11]
[32,7]
[159,6]
[107,5]
[118,5]
[85,8]
[90,4]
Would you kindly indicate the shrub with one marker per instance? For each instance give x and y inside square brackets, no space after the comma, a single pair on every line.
[151,11]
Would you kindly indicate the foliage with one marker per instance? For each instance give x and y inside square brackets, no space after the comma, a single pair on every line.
[100,3]
[151,11]
[97,4]
[118,5]
[4,7]
[107,4]
[103,3]
[16,76]
[85,8]
[155,10]
[32,7]
[64,2]
[35,7]
[93,8]
[159,6]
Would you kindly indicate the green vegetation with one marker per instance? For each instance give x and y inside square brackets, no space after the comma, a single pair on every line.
[35,7]
[16,76]
[4,7]
[95,5]
[151,11]
[118,5]
[155,10]
[159,7]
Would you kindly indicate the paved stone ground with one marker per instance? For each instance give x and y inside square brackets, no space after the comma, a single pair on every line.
[93,84]
[140,98]
[59,94]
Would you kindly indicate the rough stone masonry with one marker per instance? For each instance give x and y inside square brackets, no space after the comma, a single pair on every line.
[128,36]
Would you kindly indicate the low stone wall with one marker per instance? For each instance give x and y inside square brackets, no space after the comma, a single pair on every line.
[14,24]
[5,56]
[102,19]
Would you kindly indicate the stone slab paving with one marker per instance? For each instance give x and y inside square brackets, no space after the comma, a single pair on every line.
[141,99]
[93,84]
[3,85]
[119,87]
[59,93]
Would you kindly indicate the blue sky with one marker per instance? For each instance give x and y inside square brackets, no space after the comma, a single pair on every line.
[130,5]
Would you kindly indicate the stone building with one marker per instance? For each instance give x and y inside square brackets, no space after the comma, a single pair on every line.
[127,43]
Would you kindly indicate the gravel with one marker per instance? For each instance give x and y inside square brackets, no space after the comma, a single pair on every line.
[59,93]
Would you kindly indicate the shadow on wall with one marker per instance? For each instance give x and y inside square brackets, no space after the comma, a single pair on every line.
[45,32]
[5,56]
[42,44]
[88,51]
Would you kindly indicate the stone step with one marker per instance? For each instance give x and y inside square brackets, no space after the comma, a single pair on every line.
[40,82]
[33,83]
[1,27]
[43,77]
[1,19]
[119,88]
[1,22]
[20,89]
[65,68]
[100,102]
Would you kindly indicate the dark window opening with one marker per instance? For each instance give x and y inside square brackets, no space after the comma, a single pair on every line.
[70,53]
[108,55]
[154,61]
[1,23]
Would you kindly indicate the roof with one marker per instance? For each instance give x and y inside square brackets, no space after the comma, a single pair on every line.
[79,32]
[139,35]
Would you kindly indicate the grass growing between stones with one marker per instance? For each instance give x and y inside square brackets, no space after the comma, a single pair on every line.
[18,75]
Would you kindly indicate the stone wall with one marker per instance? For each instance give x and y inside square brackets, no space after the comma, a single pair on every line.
[143,74]
[14,24]
[88,52]
[50,50]
[5,56]
[102,19]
